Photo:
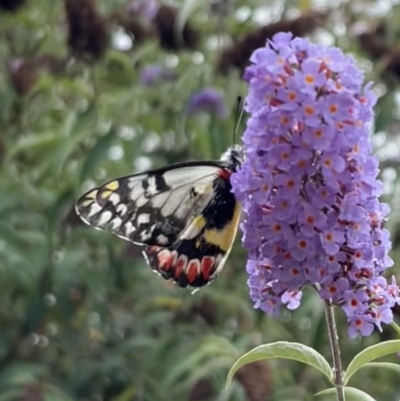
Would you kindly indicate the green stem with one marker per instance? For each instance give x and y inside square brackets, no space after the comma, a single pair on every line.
[335,350]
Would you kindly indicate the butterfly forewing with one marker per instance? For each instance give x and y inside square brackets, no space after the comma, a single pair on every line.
[150,208]
[184,215]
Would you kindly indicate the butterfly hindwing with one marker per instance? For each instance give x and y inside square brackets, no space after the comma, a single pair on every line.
[200,254]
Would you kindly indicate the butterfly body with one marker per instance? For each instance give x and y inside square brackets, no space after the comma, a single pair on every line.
[184,216]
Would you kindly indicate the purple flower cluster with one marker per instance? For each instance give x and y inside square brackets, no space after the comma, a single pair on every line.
[209,100]
[309,185]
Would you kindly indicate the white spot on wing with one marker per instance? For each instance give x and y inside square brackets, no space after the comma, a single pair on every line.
[115,223]
[105,217]
[122,209]
[114,198]
[95,208]
[162,239]
[143,218]
[129,228]
[152,188]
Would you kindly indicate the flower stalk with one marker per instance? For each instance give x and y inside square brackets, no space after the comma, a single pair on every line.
[335,350]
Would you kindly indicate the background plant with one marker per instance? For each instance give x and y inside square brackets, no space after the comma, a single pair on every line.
[81,315]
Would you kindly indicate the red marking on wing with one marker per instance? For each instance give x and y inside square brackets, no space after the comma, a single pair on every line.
[165,259]
[225,174]
[180,265]
[207,264]
[192,270]
[153,249]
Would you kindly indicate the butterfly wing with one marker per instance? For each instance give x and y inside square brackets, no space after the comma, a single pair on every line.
[200,253]
[185,215]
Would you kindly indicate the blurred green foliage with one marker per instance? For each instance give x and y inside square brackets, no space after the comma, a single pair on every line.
[81,315]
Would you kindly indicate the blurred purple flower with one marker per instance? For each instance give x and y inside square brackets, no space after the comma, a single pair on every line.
[154,72]
[309,185]
[209,100]
[15,64]
[146,9]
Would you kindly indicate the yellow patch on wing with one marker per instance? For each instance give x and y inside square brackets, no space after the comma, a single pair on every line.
[224,238]
[105,194]
[112,186]
[89,198]
[194,228]
[199,222]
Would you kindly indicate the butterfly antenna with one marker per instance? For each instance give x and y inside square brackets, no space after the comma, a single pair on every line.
[238,115]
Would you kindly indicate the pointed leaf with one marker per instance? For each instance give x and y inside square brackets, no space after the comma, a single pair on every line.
[286,350]
[43,141]
[369,354]
[98,152]
[387,365]
[63,151]
[62,206]
[210,347]
[351,393]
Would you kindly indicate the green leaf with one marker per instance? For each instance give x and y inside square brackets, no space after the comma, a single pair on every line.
[369,354]
[98,152]
[209,347]
[11,237]
[62,206]
[387,365]
[351,393]
[286,350]
[19,374]
[63,151]
[43,141]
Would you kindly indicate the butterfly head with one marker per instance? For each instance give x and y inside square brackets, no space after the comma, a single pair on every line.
[234,157]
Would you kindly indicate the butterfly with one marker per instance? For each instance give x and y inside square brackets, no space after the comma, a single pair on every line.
[185,216]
